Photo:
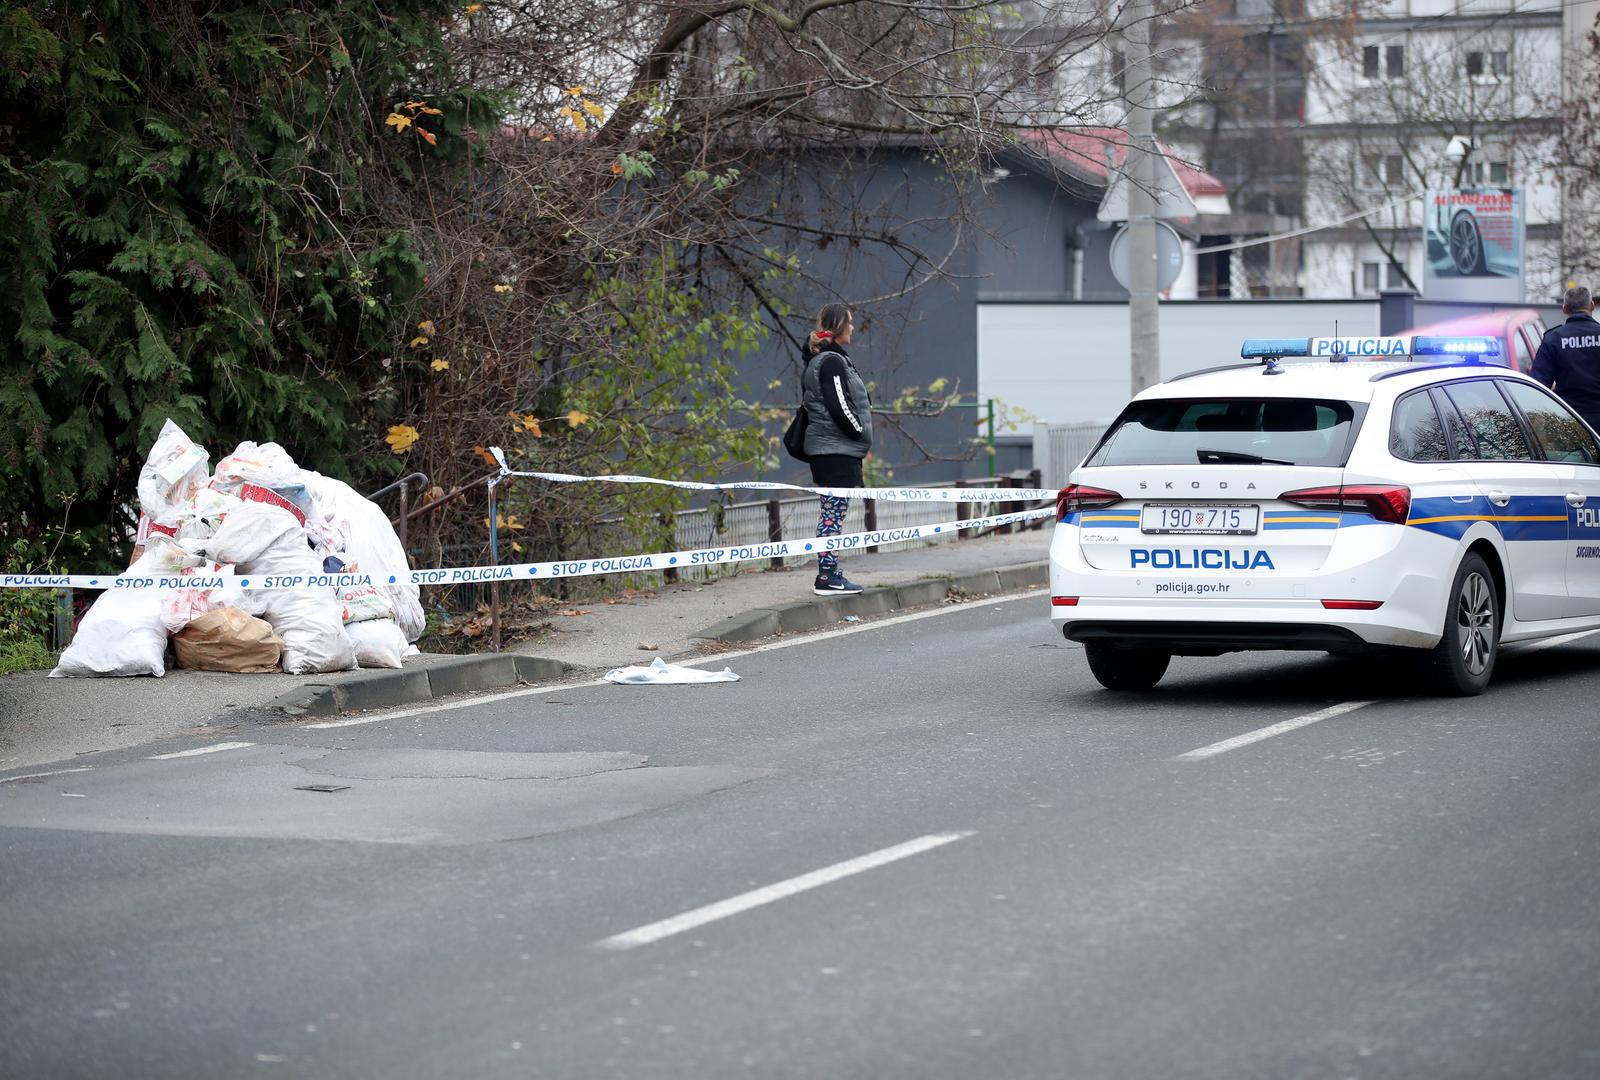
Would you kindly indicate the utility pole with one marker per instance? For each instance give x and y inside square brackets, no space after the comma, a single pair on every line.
[1139,169]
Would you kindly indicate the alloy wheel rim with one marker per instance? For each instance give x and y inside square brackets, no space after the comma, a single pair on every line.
[1475,619]
[1464,246]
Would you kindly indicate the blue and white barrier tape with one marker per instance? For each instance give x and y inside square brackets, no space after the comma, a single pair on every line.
[458,575]
[880,494]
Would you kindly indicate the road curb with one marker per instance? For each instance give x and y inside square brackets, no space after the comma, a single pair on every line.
[825,610]
[386,689]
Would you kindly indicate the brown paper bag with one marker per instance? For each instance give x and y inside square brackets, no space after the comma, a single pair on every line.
[227,640]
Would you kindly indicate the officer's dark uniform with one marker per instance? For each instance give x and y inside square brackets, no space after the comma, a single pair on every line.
[1568,362]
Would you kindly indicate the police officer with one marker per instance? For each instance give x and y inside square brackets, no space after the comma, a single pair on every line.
[1568,360]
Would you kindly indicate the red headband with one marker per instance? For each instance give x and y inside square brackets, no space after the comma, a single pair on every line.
[823,335]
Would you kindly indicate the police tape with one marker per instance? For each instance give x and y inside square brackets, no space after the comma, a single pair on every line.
[878,494]
[540,571]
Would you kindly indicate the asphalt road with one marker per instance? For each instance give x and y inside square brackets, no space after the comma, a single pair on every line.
[1056,884]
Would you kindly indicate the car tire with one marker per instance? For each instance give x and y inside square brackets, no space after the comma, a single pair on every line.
[1466,244]
[1463,662]
[1118,668]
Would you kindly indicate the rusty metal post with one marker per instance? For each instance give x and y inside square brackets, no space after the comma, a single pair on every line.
[494,560]
[1005,507]
[405,510]
[670,523]
[1035,478]
[775,530]
[869,512]
[963,512]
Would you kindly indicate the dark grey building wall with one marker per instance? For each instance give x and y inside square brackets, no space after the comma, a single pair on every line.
[1011,235]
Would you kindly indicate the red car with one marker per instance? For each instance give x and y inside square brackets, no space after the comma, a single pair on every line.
[1519,331]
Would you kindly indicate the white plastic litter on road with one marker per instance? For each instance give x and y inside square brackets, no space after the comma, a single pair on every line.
[660,671]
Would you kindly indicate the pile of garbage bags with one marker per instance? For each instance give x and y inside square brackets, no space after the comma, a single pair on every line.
[257,514]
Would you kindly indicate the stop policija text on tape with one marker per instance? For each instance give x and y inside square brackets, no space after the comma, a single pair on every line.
[565,568]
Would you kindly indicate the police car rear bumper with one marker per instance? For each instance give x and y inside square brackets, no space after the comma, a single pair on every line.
[1188,638]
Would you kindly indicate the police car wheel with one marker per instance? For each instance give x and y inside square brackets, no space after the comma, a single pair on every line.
[1125,669]
[1463,661]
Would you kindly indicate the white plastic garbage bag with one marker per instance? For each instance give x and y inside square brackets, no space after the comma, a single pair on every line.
[266,465]
[175,470]
[252,529]
[358,528]
[378,643]
[201,516]
[365,603]
[310,621]
[123,634]
[660,671]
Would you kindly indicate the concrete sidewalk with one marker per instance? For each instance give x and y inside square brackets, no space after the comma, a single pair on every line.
[52,720]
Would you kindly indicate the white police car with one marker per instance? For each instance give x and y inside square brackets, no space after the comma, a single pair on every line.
[1381,493]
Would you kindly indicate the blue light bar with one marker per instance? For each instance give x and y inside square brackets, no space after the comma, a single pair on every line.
[1256,348]
[1455,346]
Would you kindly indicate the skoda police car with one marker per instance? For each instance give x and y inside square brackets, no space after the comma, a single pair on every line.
[1337,494]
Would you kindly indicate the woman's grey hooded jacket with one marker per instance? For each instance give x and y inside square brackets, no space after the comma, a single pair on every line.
[838,411]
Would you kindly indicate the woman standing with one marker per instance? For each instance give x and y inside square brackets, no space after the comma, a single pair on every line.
[838,431]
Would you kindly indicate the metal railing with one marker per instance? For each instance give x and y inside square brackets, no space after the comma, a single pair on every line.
[1060,448]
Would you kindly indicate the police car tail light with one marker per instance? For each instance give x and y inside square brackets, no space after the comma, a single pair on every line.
[1392,504]
[1063,601]
[1352,605]
[1076,497]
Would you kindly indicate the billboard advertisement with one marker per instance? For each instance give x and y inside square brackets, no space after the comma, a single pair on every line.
[1474,239]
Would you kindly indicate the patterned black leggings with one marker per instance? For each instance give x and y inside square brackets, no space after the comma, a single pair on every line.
[830,523]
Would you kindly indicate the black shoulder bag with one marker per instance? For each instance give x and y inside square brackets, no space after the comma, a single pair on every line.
[794,436]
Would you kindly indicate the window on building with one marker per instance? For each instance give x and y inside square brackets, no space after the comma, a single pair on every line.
[1369,276]
[1252,9]
[1496,64]
[1379,171]
[1491,173]
[1383,61]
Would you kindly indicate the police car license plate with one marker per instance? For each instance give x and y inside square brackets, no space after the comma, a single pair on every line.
[1205,520]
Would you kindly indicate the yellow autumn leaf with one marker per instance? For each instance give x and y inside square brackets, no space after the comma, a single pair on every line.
[577,417]
[575,116]
[398,122]
[502,288]
[419,341]
[433,140]
[428,110]
[426,326]
[574,91]
[530,424]
[593,110]
[440,365]
[401,437]
[473,9]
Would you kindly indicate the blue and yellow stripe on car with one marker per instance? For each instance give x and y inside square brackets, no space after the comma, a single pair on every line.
[1523,518]
[1105,519]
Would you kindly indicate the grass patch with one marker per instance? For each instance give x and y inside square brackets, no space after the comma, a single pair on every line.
[24,654]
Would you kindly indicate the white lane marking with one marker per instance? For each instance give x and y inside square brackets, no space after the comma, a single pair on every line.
[1268,732]
[37,775]
[1547,643]
[197,751]
[714,658]
[781,890]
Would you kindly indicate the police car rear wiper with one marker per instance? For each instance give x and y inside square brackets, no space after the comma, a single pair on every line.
[1233,457]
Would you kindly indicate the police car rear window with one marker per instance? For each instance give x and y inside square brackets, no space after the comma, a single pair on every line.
[1296,431]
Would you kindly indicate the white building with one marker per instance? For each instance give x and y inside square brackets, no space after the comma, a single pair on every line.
[1336,125]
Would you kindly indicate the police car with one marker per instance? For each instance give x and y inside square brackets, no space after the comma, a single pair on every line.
[1337,494]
